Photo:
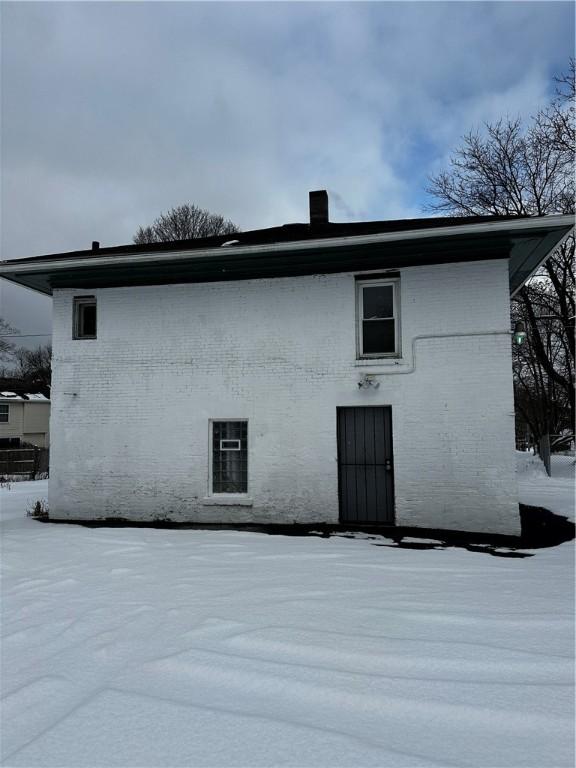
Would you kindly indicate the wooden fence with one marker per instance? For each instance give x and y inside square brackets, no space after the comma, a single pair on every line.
[24,461]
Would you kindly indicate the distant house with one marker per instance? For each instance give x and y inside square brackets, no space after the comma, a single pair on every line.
[24,418]
[307,373]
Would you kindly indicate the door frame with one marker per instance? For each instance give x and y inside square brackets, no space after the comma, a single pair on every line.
[393,486]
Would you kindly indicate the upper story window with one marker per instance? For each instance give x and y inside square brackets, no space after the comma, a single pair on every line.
[85,317]
[4,411]
[378,318]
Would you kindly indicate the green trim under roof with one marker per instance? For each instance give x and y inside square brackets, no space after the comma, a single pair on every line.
[526,242]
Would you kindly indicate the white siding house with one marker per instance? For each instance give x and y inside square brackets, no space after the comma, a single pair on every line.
[24,419]
[368,389]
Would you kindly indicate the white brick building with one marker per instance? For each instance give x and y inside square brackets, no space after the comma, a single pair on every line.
[315,373]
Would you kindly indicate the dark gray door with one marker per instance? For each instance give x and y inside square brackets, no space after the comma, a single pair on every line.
[365,468]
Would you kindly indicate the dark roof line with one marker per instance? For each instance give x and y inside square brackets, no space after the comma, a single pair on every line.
[284,234]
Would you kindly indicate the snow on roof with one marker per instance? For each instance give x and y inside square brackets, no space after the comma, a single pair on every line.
[24,397]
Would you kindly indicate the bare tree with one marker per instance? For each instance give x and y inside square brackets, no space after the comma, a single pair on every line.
[7,346]
[511,168]
[508,169]
[544,402]
[33,369]
[560,114]
[184,222]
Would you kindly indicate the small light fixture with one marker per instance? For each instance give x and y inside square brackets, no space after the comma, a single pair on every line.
[519,332]
[368,381]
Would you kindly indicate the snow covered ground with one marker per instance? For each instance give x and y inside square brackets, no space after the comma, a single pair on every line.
[142,647]
[535,487]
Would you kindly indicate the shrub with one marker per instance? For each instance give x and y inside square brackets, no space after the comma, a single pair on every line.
[39,511]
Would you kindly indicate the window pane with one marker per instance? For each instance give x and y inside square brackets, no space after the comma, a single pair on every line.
[84,317]
[88,320]
[378,301]
[4,413]
[378,337]
[229,468]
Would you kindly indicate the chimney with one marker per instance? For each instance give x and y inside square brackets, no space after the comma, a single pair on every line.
[318,207]
[95,245]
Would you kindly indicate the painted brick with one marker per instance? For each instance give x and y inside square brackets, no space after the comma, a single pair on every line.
[131,409]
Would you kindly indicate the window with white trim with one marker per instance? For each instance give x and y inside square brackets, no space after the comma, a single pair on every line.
[84,317]
[229,456]
[4,412]
[378,331]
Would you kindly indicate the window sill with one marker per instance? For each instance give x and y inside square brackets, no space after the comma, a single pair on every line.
[365,362]
[227,501]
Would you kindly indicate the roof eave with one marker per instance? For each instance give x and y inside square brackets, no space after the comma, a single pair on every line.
[524,263]
[526,255]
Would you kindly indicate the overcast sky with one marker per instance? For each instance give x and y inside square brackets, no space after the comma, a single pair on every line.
[113,112]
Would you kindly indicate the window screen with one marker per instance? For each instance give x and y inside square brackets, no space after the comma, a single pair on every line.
[229,456]
[4,413]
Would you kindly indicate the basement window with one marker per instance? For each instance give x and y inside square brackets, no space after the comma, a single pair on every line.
[230,457]
[85,317]
[4,411]
[377,318]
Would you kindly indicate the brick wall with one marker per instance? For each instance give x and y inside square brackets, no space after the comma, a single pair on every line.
[131,409]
